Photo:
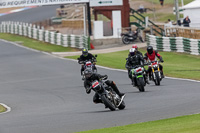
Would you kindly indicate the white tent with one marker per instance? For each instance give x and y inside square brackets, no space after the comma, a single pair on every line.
[192,10]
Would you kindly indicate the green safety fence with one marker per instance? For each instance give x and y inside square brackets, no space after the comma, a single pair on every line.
[31,31]
[177,44]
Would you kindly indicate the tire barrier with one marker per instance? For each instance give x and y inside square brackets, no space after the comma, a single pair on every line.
[38,33]
[176,44]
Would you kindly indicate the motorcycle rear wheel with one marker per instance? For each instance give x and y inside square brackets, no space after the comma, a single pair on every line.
[125,40]
[108,103]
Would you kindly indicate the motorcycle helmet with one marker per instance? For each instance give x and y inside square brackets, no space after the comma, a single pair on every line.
[88,73]
[85,52]
[135,46]
[132,51]
[149,49]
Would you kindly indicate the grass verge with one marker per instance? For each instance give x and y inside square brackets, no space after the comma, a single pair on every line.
[179,65]
[183,124]
[2,108]
[35,44]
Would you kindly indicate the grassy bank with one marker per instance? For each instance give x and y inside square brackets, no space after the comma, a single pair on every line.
[178,65]
[184,124]
[2,109]
[35,44]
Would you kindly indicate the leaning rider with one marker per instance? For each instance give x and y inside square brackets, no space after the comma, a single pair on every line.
[150,56]
[86,56]
[133,60]
[90,77]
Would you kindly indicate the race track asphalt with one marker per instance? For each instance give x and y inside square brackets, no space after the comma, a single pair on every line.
[46,95]
[31,15]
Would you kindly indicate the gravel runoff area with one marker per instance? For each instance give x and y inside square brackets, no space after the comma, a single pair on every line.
[112,48]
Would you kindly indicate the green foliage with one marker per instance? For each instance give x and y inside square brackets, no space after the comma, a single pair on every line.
[2,109]
[35,44]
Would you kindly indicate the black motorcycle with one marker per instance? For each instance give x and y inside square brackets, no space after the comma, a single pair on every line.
[131,36]
[107,95]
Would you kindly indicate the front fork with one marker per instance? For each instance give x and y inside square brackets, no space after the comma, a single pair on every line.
[153,71]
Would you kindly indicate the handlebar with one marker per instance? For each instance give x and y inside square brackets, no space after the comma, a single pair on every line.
[149,63]
[133,67]
[83,62]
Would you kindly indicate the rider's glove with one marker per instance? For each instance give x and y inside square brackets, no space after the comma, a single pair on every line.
[161,60]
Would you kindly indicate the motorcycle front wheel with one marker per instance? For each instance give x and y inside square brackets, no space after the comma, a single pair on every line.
[157,78]
[108,103]
[125,40]
[122,105]
[141,84]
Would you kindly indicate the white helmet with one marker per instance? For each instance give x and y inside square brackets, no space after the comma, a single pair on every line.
[132,51]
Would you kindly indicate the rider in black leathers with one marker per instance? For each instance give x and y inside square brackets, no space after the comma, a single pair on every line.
[86,57]
[90,77]
[135,58]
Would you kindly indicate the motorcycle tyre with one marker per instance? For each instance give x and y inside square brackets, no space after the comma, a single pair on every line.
[141,84]
[122,106]
[108,103]
[125,40]
[157,79]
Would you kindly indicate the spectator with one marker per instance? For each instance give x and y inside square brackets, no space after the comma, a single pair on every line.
[141,9]
[161,2]
[186,22]
[169,24]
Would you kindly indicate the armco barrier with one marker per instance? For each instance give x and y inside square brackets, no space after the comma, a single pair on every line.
[40,34]
[177,44]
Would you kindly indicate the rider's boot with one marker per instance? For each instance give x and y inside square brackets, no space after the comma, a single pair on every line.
[133,82]
[82,75]
[96,99]
[113,85]
[150,76]
[162,74]
[146,80]
[81,72]
[117,90]
[130,76]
